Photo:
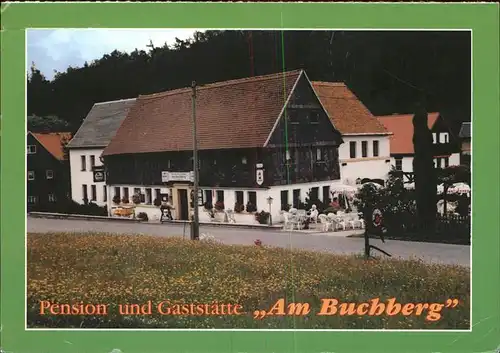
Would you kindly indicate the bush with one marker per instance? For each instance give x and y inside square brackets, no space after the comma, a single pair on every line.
[116,200]
[262,217]
[251,207]
[143,216]
[219,206]
[136,199]
[125,200]
[157,202]
[238,207]
[73,267]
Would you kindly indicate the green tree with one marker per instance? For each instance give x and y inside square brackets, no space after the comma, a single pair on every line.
[425,172]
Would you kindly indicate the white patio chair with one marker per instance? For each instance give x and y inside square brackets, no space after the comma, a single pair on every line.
[340,223]
[288,221]
[326,223]
[314,216]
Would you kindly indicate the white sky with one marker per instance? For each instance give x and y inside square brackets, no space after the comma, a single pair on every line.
[57,49]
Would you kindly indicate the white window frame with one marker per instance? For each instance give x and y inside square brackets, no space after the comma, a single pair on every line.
[83,163]
[93,192]
[92,161]
[52,198]
[396,163]
[49,173]
[31,149]
[32,199]
[31,175]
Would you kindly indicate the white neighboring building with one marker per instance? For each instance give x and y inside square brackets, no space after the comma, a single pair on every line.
[447,148]
[365,152]
[86,147]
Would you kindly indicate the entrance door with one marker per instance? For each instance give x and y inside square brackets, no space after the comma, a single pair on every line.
[183,205]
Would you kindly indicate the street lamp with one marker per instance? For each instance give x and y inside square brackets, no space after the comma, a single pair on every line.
[270,202]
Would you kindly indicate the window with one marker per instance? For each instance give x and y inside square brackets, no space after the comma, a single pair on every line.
[296,198]
[364,149]
[49,173]
[220,196]
[31,149]
[117,191]
[158,194]
[318,154]
[375,149]
[84,193]
[326,194]
[32,199]
[31,175]
[239,197]
[93,192]
[447,162]
[125,193]
[92,162]
[314,195]
[52,198]
[352,149]
[293,117]
[148,196]
[208,198]
[434,137]
[399,163]
[446,137]
[137,191]
[84,163]
[284,200]
[104,193]
[314,118]
[252,198]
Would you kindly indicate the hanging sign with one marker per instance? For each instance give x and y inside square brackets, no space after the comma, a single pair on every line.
[259,176]
[99,174]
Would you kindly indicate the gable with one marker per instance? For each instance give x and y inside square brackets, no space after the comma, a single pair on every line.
[101,123]
[52,142]
[304,120]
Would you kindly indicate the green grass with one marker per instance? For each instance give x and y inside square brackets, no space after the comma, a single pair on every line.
[112,269]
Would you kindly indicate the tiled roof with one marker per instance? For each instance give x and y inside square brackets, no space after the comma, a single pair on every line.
[402,128]
[465,131]
[348,114]
[101,124]
[53,142]
[231,114]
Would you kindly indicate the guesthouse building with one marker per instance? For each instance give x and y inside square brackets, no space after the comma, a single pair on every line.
[47,170]
[264,142]
[88,182]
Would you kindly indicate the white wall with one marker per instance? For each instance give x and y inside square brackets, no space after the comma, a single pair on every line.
[79,177]
[229,198]
[454,159]
[367,167]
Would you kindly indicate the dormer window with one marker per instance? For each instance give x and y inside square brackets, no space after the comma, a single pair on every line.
[293,117]
[314,118]
[31,149]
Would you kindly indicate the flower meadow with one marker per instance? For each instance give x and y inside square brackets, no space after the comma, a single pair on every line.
[110,269]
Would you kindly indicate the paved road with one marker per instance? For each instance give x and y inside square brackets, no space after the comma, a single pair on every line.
[440,253]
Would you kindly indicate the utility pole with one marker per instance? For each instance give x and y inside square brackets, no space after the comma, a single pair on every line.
[195,225]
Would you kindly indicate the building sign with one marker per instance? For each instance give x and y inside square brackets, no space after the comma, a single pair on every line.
[259,176]
[99,174]
[167,177]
